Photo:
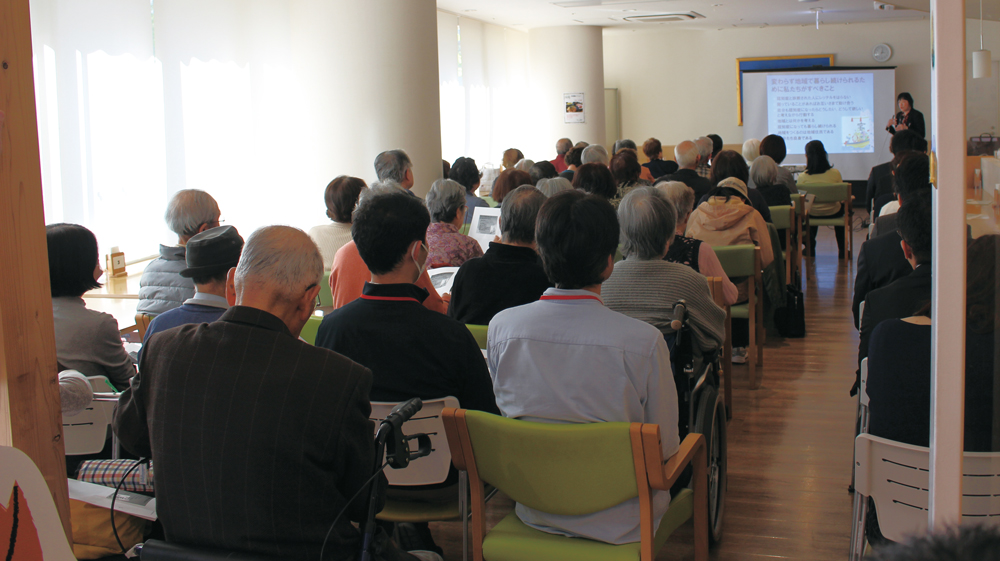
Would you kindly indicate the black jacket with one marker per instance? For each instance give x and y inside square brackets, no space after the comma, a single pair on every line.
[914,121]
[691,178]
[258,438]
[506,276]
[880,262]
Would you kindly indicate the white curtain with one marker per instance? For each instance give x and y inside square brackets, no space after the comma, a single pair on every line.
[484,80]
[140,98]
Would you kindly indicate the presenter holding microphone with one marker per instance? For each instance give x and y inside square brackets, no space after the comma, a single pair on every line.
[908,118]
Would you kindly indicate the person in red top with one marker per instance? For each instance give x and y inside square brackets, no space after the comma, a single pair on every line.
[563,146]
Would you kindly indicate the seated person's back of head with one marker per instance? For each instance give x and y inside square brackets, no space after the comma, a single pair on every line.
[161,287]
[569,359]
[341,196]
[86,340]
[511,273]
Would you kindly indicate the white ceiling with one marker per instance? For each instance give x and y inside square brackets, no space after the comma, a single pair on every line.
[719,14]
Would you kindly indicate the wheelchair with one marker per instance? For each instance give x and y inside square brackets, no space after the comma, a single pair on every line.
[701,408]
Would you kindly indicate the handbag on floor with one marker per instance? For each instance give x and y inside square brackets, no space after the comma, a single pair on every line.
[791,320]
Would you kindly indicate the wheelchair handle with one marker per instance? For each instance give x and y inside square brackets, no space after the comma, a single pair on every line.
[680,315]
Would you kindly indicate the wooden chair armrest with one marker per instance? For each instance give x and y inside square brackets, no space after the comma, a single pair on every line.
[449,420]
[662,475]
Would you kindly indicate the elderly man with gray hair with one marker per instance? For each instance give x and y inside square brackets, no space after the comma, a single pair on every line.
[395,165]
[689,158]
[447,246]
[161,286]
[276,439]
[644,286]
[510,273]
[706,151]
[595,154]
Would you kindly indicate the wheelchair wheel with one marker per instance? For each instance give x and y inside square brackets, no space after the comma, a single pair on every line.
[711,422]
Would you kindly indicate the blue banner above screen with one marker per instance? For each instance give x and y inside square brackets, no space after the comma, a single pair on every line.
[846,109]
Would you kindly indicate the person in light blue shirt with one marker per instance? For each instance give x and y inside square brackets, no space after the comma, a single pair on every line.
[210,256]
[569,359]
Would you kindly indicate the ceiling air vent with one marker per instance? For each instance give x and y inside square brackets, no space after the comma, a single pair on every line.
[665,18]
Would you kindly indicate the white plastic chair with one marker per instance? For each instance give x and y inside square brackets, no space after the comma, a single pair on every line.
[17,468]
[429,470]
[87,431]
[896,476]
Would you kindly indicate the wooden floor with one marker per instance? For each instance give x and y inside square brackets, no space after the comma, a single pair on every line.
[790,442]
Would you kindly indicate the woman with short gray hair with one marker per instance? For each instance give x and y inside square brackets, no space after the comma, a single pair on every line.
[764,178]
[646,287]
[690,251]
[553,185]
[447,246]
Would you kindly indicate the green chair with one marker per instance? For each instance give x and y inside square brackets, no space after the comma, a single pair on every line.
[553,468]
[489,200]
[783,218]
[833,193]
[325,296]
[464,230]
[745,261]
[311,328]
[479,332]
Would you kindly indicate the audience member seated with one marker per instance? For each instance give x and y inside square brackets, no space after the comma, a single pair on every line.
[341,197]
[161,288]
[727,218]
[880,178]
[87,341]
[595,154]
[717,145]
[507,181]
[706,154]
[625,169]
[297,414]
[689,158]
[510,274]
[511,157]
[542,170]
[210,255]
[569,359]
[764,177]
[550,187]
[467,174]
[563,146]
[595,179]
[751,149]
[524,164]
[729,163]
[623,144]
[573,162]
[906,296]
[911,172]
[445,168]
[447,247]
[395,166]
[646,287]
[411,351]
[881,259]
[349,272]
[899,362]
[773,145]
[819,170]
[690,251]
[75,393]
[657,166]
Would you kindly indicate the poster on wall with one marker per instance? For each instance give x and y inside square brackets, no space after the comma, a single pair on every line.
[574,108]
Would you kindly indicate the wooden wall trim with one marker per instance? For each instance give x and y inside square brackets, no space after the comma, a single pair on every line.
[29,389]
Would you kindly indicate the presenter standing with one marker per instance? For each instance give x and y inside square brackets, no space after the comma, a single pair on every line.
[908,118]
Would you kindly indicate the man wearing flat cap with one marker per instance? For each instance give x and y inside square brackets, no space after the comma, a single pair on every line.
[209,257]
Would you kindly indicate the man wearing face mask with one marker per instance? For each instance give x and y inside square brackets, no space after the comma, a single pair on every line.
[411,350]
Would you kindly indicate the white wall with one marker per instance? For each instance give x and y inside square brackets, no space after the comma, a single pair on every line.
[678,84]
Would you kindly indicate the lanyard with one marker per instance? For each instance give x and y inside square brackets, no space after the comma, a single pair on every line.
[569,297]
[390,298]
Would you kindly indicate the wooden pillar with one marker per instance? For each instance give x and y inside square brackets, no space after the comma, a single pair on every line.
[30,413]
